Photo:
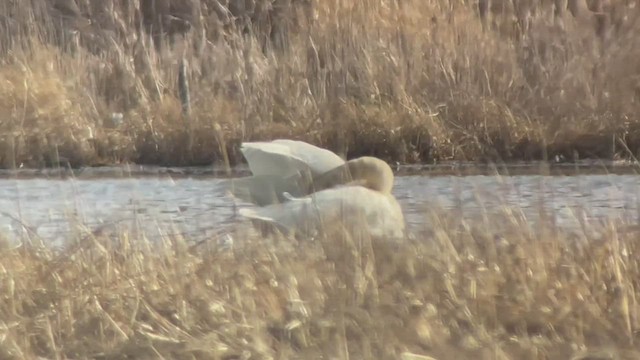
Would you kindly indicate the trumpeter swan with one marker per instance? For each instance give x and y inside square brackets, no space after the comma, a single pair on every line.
[302,187]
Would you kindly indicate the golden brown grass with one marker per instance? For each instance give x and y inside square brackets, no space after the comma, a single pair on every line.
[498,289]
[409,81]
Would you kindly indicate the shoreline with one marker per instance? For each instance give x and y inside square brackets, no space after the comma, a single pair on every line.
[451,168]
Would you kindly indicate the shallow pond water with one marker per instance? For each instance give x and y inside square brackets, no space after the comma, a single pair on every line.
[198,207]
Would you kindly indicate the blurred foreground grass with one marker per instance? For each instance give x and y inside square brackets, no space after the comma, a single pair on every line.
[87,82]
[502,288]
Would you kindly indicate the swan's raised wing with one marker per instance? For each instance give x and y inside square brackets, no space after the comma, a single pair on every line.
[287,157]
[319,160]
[356,207]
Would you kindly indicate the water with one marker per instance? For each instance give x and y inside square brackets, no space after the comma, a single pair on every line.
[199,207]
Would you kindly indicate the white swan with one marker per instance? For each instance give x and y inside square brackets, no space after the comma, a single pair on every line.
[305,187]
[281,166]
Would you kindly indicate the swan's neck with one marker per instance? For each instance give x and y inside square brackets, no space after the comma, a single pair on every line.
[369,172]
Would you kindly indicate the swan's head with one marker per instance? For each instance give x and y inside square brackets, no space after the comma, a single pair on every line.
[366,171]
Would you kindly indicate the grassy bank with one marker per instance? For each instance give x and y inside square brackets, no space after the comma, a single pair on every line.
[499,289]
[409,81]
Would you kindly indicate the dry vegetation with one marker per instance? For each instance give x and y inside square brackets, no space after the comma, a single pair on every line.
[500,289]
[409,81]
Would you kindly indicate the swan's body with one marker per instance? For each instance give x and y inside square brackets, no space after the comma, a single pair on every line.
[356,208]
[301,188]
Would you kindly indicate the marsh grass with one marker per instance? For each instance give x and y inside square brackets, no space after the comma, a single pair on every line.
[409,81]
[498,288]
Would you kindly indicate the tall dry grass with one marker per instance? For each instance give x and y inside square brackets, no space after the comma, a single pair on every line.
[409,81]
[495,289]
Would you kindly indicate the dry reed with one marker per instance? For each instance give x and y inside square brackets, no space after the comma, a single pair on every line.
[501,288]
[96,82]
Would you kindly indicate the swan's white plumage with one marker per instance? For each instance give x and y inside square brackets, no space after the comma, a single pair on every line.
[287,158]
[307,190]
[358,208]
[300,169]
[281,166]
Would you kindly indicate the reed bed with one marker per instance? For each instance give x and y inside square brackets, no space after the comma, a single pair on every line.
[183,83]
[498,288]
